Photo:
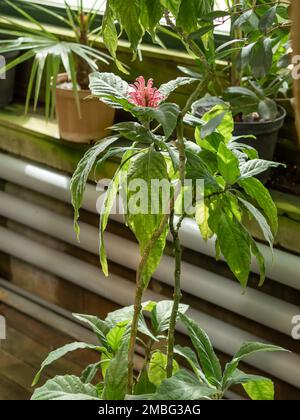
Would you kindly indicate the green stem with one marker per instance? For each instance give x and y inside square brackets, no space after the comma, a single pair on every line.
[176,296]
[139,296]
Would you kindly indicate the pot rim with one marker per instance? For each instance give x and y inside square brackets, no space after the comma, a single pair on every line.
[63,78]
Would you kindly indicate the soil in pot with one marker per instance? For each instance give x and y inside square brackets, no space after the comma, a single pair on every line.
[96,117]
[7,85]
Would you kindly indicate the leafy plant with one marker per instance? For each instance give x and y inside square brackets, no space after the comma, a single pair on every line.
[107,379]
[35,41]
[158,149]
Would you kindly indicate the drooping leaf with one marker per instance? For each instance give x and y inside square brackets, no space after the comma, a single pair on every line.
[61,352]
[110,35]
[268,18]
[256,190]
[66,387]
[171,5]
[116,375]
[80,176]
[201,342]
[158,367]
[260,220]
[257,387]
[233,241]
[147,205]
[128,15]
[109,199]
[151,14]
[246,350]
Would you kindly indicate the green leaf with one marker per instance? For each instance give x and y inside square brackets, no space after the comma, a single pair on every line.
[228,164]
[267,20]
[111,89]
[151,14]
[128,15]
[61,352]
[134,131]
[208,359]
[161,315]
[223,121]
[261,58]
[172,5]
[257,387]
[158,367]
[143,218]
[190,356]
[260,260]
[256,166]
[167,88]
[110,196]
[201,217]
[124,316]
[89,373]
[260,390]
[211,126]
[144,386]
[99,327]
[183,386]
[256,190]
[246,350]
[196,169]
[110,36]
[115,382]
[233,242]
[166,114]
[80,176]
[263,224]
[115,336]
[67,387]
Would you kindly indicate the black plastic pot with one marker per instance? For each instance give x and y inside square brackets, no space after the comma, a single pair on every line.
[266,133]
[7,85]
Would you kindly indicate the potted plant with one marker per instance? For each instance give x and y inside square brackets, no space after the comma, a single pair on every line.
[80,118]
[225,166]
[257,76]
[228,168]
[7,79]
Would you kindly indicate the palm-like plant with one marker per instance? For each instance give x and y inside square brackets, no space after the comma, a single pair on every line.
[50,53]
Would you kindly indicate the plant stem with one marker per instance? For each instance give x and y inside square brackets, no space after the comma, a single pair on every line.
[176,296]
[139,296]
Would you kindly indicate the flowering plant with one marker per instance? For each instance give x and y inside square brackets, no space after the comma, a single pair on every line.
[227,169]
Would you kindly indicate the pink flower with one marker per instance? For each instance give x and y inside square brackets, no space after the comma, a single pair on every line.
[145,95]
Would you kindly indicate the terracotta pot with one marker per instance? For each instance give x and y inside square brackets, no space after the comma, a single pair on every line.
[95,115]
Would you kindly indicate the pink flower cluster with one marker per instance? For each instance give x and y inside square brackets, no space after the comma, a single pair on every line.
[145,95]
